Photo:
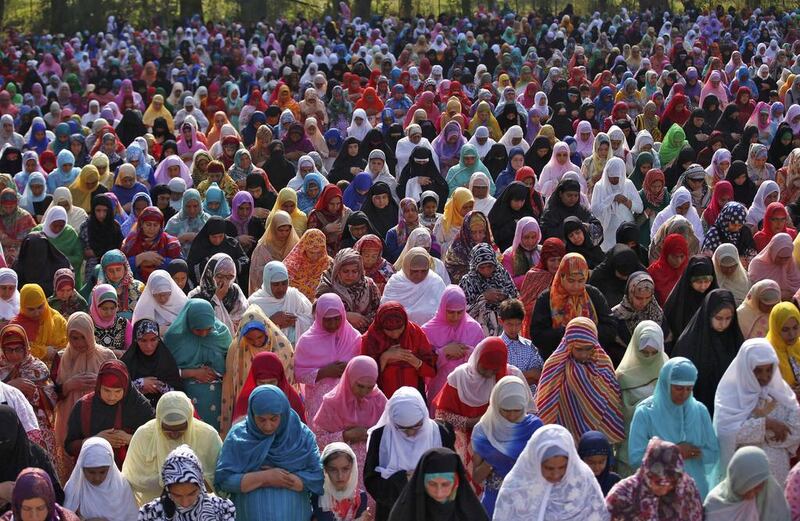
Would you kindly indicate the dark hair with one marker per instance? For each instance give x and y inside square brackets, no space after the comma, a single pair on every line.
[512,309]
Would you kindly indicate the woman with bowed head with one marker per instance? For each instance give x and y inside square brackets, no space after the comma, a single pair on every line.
[753,314]
[174,425]
[687,296]
[524,253]
[160,302]
[784,336]
[35,494]
[486,285]
[710,341]
[278,240]
[775,262]
[257,334]
[110,330]
[417,287]
[376,267]
[113,412]
[270,462]
[267,369]
[569,296]
[285,306]
[151,367]
[187,223]
[399,346]
[447,226]
[595,450]
[465,397]
[750,490]
[673,415]
[453,334]
[99,234]
[660,490]
[614,200]
[26,373]
[500,436]
[218,287]
[322,352]
[46,330]
[217,236]
[358,292]
[63,237]
[306,263]
[638,303]
[96,488]
[730,273]
[199,343]
[667,270]
[550,482]
[352,407]
[475,229]
[578,388]
[396,444]
[540,276]
[342,499]
[116,271]
[438,490]
[329,215]
[184,492]
[755,406]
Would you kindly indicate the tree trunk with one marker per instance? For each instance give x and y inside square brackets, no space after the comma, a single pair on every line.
[253,10]
[58,15]
[189,8]
[406,8]
[656,6]
[466,7]
[363,8]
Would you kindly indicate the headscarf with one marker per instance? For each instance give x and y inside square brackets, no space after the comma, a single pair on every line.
[453,216]
[738,283]
[638,282]
[341,409]
[303,273]
[526,494]
[765,265]
[112,498]
[565,307]
[598,406]
[266,366]
[788,355]
[35,483]
[595,443]
[342,504]
[48,330]
[671,145]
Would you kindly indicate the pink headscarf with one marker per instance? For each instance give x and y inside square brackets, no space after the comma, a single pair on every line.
[317,348]
[183,147]
[341,409]
[162,177]
[718,91]
[98,293]
[584,148]
[553,171]
[756,121]
[525,225]
[787,275]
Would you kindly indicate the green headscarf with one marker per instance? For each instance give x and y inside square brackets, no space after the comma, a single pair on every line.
[459,174]
[672,144]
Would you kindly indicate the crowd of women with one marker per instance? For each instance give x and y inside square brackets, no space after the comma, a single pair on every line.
[511,266]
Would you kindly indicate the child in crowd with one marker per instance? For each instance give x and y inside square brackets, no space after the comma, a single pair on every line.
[521,351]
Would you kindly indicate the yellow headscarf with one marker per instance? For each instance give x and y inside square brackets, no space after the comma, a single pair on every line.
[81,192]
[278,218]
[149,446]
[99,159]
[493,126]
[240,358]
[453,217]
[49,330]
[787,354]
[152,113]
[299,219]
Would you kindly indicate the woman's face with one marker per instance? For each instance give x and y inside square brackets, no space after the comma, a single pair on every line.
[335,205]
[338,469]
[107,310]
[268,423]
[349,274]
[332,324]
[192,208]
[602,150]
[288,206]
[517,204]
[596,463]
[771,198]
[517,162]
[376,165]
[223,280]
[659,485]
[553,263]
[111,395]
[763,374]
[574,283]
[364,386]
[95,475]
[641,299]
[530,240]
[150,229]
[256,338]
[486,269]
[576,237]
[148,343]
[380,201]
[173,171]
[313,190]
[554,469]
[34,509]
[790,331]
[701,284]
[439,489]
[722,319]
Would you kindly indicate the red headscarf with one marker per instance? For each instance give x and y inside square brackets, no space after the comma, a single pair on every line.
[673,114]
[721,189]
[765,234]
[392,315]
[370,101]
[267,366]
[329,192]
[664,275]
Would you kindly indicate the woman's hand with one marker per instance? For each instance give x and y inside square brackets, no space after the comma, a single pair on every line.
[689,451]
[27,387]
[283,320]
[151,385]
[80,382]
[334,370]
[357,320]
[454,350]
[260,213]
[149,257]
[246,241]
[354,435]
[332,228]
[204,374]
[779,429]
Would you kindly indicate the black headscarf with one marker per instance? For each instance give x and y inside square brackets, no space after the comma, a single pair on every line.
[344,162]
[533,160]
[268,198]
[503,218]
[709,350]
[106,235]
[496,159]
[778,152]
[421,164]
[176,266]
[8,166]
[428,130]
[277,167]
[374,140]
[746,192]
[358,218]
[742,148]
[130,127]
[556,212]
[160,364]
[414,503]
[38,261]
[202,249]
[684,301]
[161,130]
[628,233]
[673,173]
[162,189]
[382,219]
[619,259]
[592,253]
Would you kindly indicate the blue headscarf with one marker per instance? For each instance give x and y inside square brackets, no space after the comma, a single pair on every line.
[58,177]
[61,130]
[352,198]
[27,199]
[602,107]
[508,175]
[134,153]
[334,139]
[292,447]
[37,145]
[190,350]
[127,226]
[595,443]
[304,202]
[214,194]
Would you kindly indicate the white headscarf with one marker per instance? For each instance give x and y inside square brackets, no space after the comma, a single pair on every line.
[482,132]
[739,282]
[112,499]
[398,451]
[680,197]
[53,214]
[482,205]
[474,389]
[512,133]
[9,308]
[359,131]
[420,300]
[510,393]
[739,392]
[14,398]
[164,315]
[76,215]
[757,210]
[527,496]
[610,213]
[326,500]
[292,302]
